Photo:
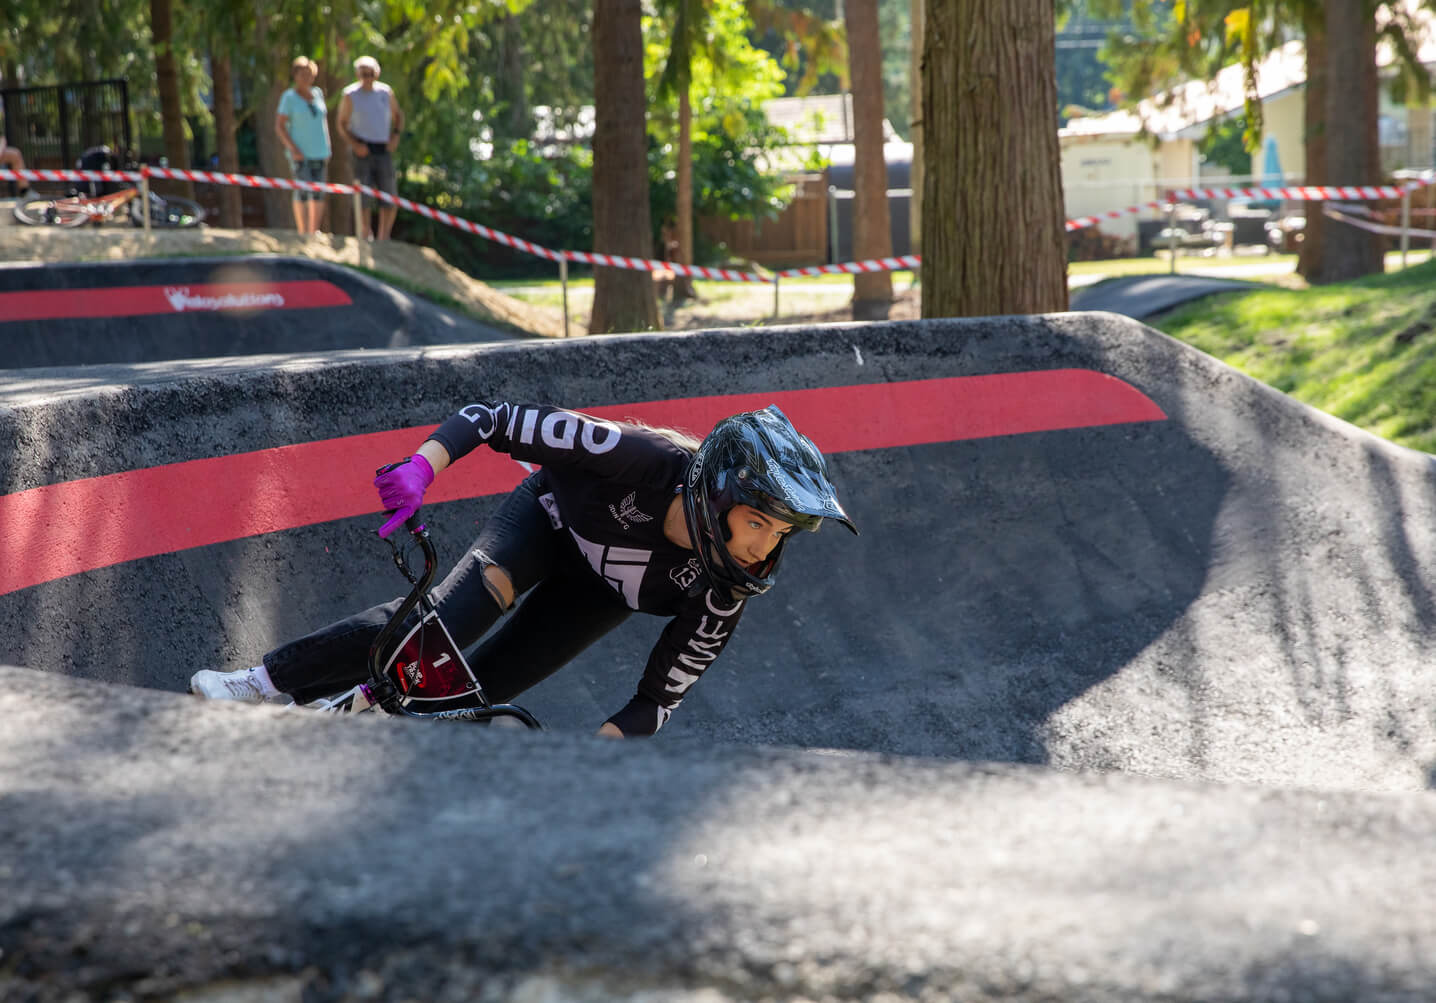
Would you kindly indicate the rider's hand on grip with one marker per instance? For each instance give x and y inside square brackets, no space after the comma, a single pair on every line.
[401,488]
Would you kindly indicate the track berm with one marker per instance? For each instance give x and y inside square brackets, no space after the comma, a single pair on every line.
[1124,693]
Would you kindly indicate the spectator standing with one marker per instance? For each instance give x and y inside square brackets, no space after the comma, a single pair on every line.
[10,159]
[370,120]
[302,124]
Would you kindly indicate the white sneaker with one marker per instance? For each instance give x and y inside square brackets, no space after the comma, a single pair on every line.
[242,684]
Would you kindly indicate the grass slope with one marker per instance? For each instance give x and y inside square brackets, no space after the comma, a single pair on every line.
[1364,351]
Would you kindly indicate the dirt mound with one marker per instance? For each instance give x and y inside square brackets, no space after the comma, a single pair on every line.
[416,269]
[423,271]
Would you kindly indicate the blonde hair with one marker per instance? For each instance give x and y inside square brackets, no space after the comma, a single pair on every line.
[306,63]
[685,441]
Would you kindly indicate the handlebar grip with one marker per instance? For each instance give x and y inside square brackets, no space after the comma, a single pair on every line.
[413,524]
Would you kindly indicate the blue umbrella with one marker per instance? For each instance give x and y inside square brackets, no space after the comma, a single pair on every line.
[1271,176]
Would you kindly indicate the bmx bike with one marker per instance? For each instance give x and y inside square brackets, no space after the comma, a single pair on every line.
[424,674]
[76,209]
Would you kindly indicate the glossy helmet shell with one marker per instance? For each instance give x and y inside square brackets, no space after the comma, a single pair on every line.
[756,458]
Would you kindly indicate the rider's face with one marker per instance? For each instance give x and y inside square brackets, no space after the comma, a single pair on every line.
[754,535]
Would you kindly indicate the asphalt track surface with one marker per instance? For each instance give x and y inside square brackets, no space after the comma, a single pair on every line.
[154,310]
[1141,296]
[1124,693]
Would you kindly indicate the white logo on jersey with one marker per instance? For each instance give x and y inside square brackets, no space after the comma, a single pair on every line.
[486,418]
[705,644]
[621,567]
[565,430]
[550,505]
[685,574]
[627,511]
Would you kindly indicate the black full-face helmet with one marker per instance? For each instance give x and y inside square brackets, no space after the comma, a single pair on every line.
[756,458]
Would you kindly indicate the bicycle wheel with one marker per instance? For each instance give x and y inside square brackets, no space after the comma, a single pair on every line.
[69,211]
[167,211]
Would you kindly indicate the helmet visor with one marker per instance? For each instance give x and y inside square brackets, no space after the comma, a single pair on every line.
[799,505]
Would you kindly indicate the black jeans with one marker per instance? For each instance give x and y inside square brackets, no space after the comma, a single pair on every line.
[564,609]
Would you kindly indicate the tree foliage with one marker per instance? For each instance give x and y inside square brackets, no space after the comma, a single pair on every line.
[1083,84]
[62,41]
[469,76]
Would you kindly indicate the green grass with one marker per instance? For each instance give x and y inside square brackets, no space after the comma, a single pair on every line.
[1364,351]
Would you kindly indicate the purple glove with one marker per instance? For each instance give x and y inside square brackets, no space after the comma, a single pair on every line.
[401,488]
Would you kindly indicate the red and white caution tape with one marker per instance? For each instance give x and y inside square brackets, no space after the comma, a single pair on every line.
[905,261]
[585,257]
[856,267]
[247,180]
[1082,222]
[1310,193]
[48,175]
[468,226]
[1351,215]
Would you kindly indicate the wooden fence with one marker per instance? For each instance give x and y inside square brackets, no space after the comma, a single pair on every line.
[798,236]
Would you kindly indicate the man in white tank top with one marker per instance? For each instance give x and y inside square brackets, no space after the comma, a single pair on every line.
[370,120]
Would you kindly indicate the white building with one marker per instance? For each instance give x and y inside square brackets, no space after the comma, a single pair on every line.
[1127,158]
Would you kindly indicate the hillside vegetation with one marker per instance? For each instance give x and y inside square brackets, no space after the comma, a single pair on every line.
[1364,351]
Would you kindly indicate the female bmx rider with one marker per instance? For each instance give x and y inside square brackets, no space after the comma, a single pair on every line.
[620,518]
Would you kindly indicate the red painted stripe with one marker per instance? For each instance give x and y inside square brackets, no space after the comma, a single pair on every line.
[64,529]
[136,301]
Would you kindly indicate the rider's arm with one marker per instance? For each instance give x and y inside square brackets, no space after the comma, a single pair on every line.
[396,124]
[435,453]
[552,436]
[281,126]
[689,644]
[341,120]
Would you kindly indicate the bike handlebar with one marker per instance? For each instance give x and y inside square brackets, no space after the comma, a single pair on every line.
[417,594]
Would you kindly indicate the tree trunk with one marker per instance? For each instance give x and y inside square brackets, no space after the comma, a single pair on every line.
[1353,153]
[623,299]
[167,82]
[510,87]
[683,284]
[1313,235]
[872,226]
[339,212]
[278,209]
[915,89]
[231,210]
[991,160]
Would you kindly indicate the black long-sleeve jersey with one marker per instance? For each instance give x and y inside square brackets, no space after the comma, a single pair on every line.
[611,485]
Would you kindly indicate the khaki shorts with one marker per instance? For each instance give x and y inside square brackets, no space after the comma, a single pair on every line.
[376,171]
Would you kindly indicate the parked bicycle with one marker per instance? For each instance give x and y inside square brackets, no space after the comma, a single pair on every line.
[99,202]
[424,674]
[76,210]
